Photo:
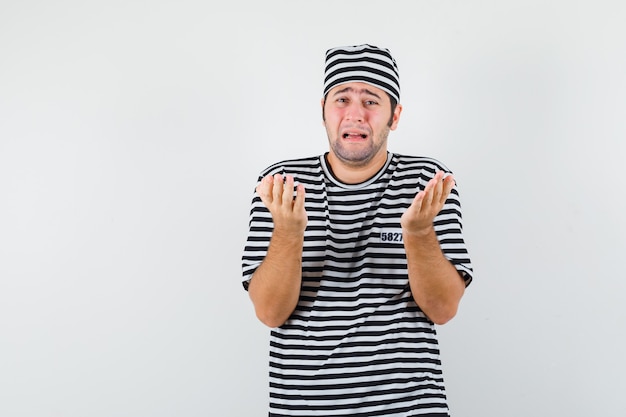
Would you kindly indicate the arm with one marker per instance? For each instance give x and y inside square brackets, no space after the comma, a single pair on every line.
[275,285]
[436,285]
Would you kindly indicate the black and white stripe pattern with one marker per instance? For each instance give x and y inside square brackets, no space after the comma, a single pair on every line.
[357,344]
[362,63]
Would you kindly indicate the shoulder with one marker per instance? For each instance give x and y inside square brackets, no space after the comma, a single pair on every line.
[293,166]
[418,163]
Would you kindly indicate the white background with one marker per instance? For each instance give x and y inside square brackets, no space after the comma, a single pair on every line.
[131,135]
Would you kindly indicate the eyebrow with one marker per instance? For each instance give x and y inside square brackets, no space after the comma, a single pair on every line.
[361,91]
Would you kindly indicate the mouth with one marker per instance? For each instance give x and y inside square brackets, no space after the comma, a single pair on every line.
[354,135]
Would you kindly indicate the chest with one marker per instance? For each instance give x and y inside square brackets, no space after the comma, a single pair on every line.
[355,222]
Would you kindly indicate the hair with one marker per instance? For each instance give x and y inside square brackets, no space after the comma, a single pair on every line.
[394,104]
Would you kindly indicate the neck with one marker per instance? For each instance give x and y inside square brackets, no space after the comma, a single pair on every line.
[355,174]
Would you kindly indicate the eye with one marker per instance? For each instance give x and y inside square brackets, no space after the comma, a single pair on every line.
[370,102]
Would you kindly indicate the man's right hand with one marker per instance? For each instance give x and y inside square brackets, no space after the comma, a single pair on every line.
[288,213]
[275,285]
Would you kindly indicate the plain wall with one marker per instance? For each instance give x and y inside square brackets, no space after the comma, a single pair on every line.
[131,135]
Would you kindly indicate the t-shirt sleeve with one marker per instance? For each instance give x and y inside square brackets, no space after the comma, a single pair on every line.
[260,227]
[449,228]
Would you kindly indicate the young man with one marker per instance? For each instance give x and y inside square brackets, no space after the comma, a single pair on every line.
[353,256]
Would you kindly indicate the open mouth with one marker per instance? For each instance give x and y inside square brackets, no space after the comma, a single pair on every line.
[354,135]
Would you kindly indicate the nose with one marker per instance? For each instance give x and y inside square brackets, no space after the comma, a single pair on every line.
[355,112]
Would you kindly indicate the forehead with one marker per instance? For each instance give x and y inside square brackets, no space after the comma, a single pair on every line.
[357,88]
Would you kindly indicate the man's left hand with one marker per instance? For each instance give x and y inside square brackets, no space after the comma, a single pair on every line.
[419,217]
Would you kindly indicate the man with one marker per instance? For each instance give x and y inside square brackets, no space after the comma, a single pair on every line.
[353,256]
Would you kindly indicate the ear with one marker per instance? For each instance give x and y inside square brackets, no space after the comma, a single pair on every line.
[396,117]
[322,101]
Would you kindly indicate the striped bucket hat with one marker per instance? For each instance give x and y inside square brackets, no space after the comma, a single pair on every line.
[362,63]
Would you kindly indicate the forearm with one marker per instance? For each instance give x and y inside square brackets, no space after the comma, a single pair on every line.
[275,286]
[436,285]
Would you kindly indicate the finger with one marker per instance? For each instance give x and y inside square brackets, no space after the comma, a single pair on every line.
[277,189]
[298,203]
[263,189]
[288,190]
[448,185]
[428,193]
[418,201]
[438,189]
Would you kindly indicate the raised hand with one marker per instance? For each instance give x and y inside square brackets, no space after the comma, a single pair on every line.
[419,217]
[288,213]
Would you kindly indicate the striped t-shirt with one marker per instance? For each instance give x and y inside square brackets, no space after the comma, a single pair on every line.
[356,344]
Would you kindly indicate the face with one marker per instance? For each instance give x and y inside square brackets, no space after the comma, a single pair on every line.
[356,117]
